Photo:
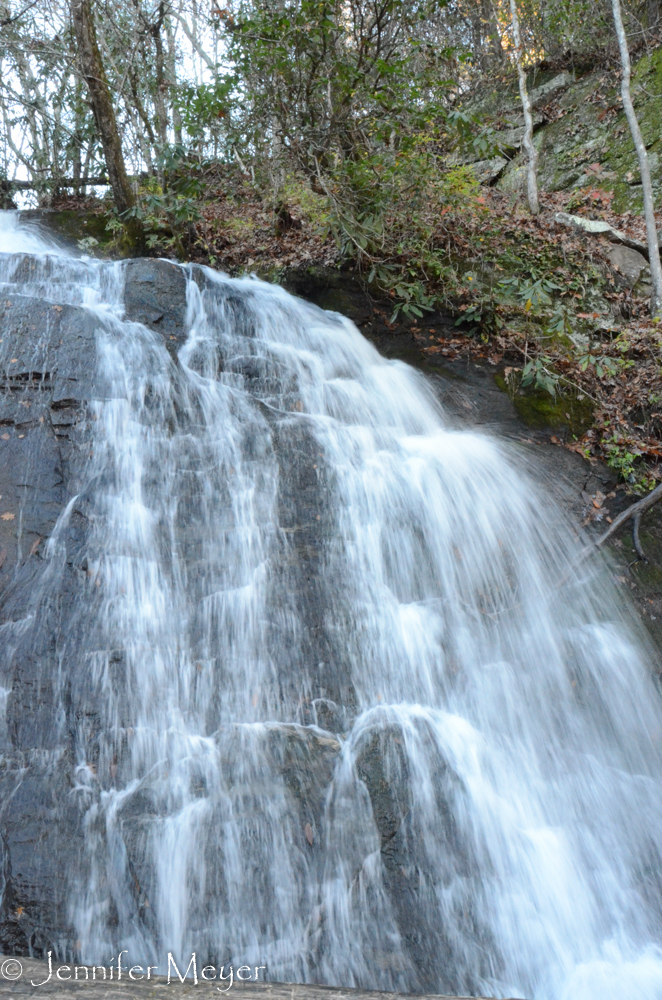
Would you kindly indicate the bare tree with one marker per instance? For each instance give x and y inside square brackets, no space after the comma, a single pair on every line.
[94,74]
[531,151]
[644,166]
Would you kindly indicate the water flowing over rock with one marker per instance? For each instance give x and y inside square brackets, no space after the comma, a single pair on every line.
[295,674]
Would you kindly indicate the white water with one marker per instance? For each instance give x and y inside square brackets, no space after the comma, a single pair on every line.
[422,582]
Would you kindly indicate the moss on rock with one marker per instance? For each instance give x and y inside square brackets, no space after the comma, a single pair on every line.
[590,143]
[538,409]
[71,224]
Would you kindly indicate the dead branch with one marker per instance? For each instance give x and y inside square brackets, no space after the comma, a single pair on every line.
[635,510]
[636,541]
[62,182]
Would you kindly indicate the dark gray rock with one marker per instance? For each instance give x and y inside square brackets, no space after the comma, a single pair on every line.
[412,880]
[155,295]
[629,265]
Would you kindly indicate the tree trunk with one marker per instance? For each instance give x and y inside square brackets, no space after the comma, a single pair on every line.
[644,167]
[531,151]
[172,84]
[94,75]
[161,82]
[495,48]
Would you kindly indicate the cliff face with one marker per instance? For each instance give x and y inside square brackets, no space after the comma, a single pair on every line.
[49,365]
[581,132]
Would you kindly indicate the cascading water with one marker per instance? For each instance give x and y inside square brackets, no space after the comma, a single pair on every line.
[354,720]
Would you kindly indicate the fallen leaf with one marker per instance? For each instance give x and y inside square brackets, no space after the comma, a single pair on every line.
[308,830]
[34,546]
[7,516]
[13,361]
[5,437]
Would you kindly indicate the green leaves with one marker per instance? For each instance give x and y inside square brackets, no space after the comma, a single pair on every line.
[533,292]
[355,98]
[603,365]
[203,105]
[537,372]
[473,314]
[414,300]
[473,135]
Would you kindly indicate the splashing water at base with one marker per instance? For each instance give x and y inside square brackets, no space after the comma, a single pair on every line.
[358,724]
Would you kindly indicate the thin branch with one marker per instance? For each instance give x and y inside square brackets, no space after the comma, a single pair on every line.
[635,510]
[10,20]
[636,541]
[64,182]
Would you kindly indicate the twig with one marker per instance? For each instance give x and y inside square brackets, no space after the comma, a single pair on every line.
[635,510]
[636,541]
[10,20]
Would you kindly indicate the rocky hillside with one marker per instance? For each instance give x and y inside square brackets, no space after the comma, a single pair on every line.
[580,131]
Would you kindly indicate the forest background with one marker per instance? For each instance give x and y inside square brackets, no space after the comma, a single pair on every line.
[394,139]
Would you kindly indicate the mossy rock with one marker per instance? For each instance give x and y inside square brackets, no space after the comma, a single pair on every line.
[71,225]
[591,145]
[84,230]
[538,409]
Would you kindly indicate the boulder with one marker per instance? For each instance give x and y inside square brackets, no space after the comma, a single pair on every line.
[629,265]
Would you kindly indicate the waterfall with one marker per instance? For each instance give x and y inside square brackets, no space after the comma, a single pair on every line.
[341,706]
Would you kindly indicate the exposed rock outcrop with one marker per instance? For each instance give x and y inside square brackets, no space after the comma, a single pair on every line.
[581,132]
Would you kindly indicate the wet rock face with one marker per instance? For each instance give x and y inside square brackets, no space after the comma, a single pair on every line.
[48,376]
[383,764]
[47,368]
[58,750]
[155,295]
